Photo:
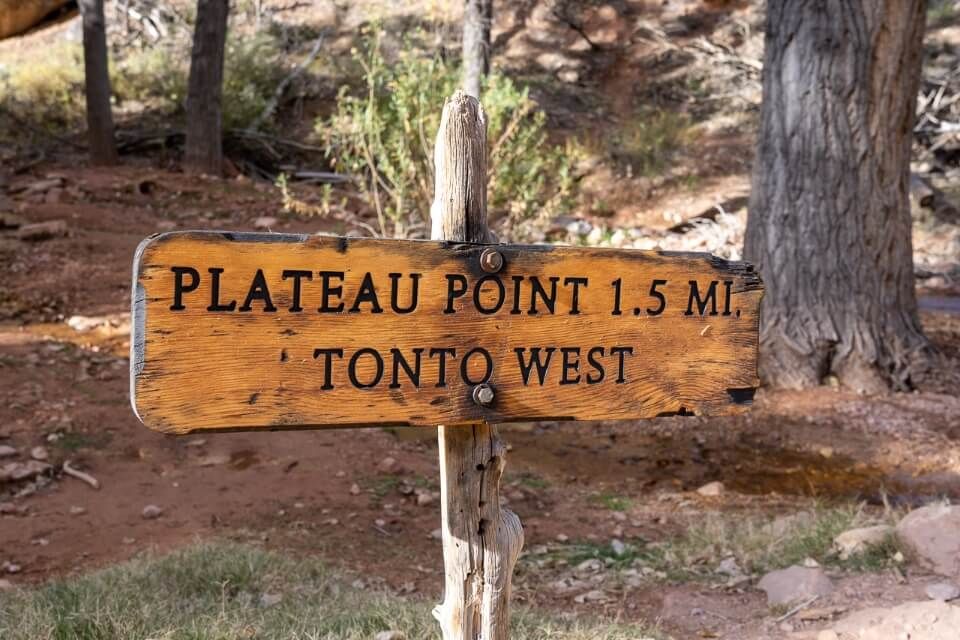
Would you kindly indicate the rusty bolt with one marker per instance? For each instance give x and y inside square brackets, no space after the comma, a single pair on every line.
[491,260]
[483,394]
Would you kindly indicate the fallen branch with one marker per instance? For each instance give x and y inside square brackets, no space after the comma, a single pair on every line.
[797,609]
[80,475]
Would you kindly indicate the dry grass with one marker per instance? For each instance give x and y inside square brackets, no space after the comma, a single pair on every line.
[230,591]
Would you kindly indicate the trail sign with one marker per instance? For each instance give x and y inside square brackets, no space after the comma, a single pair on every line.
[239,330]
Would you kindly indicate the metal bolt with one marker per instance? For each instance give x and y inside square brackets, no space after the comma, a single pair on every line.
[483,394]
[491,260]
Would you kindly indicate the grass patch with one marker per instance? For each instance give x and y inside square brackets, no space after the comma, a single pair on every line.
[533,481]
[757,544]
[219,591]
[72,441]
[645,145]
[764,544]
[611,501]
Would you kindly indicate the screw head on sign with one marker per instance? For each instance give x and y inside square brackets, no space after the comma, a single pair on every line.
[483,394]
[491,260]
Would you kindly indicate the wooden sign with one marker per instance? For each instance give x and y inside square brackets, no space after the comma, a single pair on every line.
[239,330]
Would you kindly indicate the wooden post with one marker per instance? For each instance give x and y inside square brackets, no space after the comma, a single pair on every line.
[481,541]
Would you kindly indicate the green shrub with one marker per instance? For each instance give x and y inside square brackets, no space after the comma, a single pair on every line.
[384,133]
[253,68]
[156,77]
[647,141]
[45,91]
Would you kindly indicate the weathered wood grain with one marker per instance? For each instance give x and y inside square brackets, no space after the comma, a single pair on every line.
[481,539]
[195,369]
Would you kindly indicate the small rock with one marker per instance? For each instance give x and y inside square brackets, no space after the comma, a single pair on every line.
[45,184]
[11,567]
[579,227]
[270,599]
[595,237]
[562,537]
[856,541]
[595,595]
[828,634]
[354,489]
[5,585]
[387,465]
[729,567]
[826,452]
[390,635]
[590,566]
[24,471]
[437,534]
[7,508]
[810,563]
[793,584]
[786,626]
[424,498]
[265,222]
[570,76]
[930,534]
[942,591]
[77,511]
[6,451]
[213,460]
[618,547]
[40,231]
[711,489]
[39,453]
[151,512]
[129,540]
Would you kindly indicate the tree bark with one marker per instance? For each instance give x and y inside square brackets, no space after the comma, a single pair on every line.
[477,18]
[829,224]
[481,541]
[103,150]
[203,152]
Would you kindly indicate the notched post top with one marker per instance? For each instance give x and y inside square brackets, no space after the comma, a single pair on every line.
[459,211]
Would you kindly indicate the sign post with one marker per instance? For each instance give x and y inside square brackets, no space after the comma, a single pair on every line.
[481,539]
[280,331]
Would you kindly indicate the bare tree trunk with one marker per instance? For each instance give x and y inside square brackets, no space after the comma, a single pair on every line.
[103,150]
[481,541]
[203,151]
[829,223]
[477,18]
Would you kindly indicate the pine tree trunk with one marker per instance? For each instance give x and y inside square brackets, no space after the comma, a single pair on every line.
[477,18]
[203,151]
[829,224]
[103,150]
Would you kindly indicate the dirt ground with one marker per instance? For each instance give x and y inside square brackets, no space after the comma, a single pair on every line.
[334,494]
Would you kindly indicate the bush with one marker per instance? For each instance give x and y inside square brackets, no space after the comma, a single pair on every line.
[158,77]
[384,135]
[253,68]
[45,91]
